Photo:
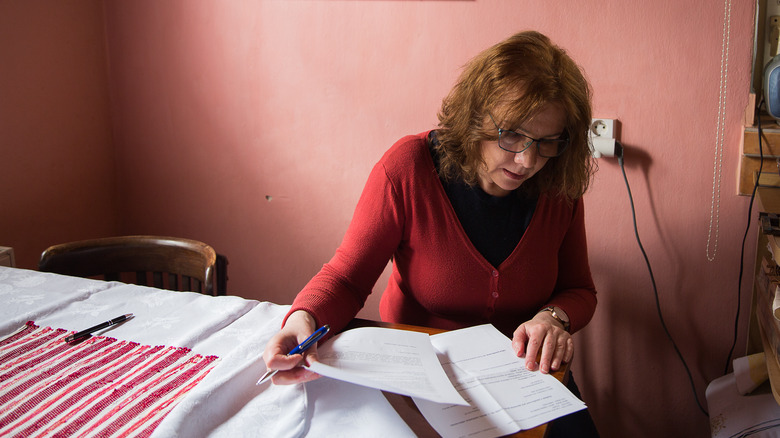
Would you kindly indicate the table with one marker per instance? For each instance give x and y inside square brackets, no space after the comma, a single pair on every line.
[226,402]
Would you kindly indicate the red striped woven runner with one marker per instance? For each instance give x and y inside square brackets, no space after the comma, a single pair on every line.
[98,387]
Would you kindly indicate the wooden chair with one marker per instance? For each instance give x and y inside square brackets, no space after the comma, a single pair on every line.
[174,263]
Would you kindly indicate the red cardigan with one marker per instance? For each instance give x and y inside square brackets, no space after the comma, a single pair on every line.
[439,279]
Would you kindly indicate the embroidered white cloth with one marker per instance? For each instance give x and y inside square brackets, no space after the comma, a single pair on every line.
[98,387]
[226,402]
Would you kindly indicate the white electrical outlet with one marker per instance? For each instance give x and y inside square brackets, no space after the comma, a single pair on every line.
[603,128]
[601,137]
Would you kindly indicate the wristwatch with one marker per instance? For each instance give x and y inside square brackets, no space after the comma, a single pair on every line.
[559,316]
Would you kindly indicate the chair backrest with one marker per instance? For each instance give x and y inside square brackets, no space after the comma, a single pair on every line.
[174,263]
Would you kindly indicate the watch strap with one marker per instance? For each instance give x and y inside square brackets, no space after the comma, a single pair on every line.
[557,317]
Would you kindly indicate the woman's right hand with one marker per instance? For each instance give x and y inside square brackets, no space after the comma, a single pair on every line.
[299,326]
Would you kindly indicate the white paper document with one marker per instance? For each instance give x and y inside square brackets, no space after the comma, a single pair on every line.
[504,396]
[398,361]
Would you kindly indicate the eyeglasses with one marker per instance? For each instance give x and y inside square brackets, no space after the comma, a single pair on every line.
[516,142]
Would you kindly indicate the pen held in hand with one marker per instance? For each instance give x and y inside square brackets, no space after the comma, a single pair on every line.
[300,348]
[89,331]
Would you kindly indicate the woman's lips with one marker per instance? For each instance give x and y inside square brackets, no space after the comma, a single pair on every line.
[514,176]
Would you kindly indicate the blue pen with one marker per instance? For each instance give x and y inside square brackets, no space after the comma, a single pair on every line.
[300,348]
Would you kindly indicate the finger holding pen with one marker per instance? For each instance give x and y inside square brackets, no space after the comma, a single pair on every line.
[298,373]
[283,356]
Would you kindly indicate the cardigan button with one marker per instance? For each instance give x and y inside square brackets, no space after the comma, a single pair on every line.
[495,273]
[495,294]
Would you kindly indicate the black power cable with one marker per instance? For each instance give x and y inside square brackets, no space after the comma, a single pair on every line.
[619,154]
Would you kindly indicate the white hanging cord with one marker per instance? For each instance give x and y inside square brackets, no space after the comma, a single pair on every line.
[720,133]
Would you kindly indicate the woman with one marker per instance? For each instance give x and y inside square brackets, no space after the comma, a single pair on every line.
[482,218]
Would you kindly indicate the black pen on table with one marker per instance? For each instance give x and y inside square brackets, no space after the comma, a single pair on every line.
[300,348]
[89,331]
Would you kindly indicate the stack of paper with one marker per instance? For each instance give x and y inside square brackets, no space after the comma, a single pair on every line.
[466,382]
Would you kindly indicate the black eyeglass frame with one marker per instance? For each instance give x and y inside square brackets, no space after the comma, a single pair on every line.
[564,141]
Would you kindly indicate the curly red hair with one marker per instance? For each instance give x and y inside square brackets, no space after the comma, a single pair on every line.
[512,80]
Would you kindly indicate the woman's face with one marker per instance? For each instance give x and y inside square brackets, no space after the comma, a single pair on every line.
[504,171]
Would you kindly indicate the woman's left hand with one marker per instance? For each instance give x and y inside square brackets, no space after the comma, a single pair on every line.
[543,334]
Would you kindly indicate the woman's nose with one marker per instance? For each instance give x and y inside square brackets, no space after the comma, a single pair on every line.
[527,158]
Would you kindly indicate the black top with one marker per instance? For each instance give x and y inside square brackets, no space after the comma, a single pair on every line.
[494,224]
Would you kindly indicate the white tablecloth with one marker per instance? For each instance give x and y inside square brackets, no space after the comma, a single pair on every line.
[227,402]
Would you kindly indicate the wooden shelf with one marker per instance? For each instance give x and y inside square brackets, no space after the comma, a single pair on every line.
[773,368]
[750,159]
[761,317]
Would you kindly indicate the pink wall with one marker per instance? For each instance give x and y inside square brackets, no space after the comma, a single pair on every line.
[58,176]
[253,125]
